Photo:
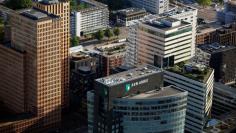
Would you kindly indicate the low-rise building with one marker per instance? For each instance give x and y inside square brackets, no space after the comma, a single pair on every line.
[89,17]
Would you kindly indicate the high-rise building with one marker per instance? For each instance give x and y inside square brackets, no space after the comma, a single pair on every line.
[89,18]
[224,100]
[153,6]
[31,72]
[161,110]
[198,81]
[161,42]
[135,81]
[62,9]
[219,57]
[187,14]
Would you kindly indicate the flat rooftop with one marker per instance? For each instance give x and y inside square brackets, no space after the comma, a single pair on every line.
[131,11]
[215,48]
[166,23]
[162,92]
[136,73]
[36,14]
[111,49]
[178,9]
[90,5]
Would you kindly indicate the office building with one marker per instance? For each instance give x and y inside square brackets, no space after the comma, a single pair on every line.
[160,42]
[162,110]
[109,57]
[125,17]
[107,89]
[224,100]
[228,14]
[31,72]
[90,17]
[187,14]
[62,9]
[220,58]
[205,34]
[153,6]
[198,81]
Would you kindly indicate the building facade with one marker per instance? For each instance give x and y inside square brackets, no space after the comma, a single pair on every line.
[142,79]
[228,14]
[153,6]
[200,93]
[37,85]
[224,100]
[62,9]
[90,19]
[160,110]
[160,42]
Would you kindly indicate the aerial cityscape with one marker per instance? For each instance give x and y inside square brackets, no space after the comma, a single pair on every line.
[117,66]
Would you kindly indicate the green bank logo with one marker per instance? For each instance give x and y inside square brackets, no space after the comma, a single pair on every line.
[127,87]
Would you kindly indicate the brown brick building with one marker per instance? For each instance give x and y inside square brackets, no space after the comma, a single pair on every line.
[34,70]
[62,9]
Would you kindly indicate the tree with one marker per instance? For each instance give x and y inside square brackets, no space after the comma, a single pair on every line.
[116,31]
[18,4]
[108,33]
[204,3]
[73,4]
[74,41]
[99,35]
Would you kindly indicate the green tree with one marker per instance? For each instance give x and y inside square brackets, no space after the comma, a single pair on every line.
[74,41]
[99,35]
[73,4]
[204,3]
[116,31]
[18,4]
[108,33]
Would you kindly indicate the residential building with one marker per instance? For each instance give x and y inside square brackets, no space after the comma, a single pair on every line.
[62,9]
[125,17]
[160,42]
[228,14]
[187,14]
[109,57]
[198,81]
[218,57]
[224,100]
[90,17]
[153,6]
[31,72]
[205,34]
[107,89]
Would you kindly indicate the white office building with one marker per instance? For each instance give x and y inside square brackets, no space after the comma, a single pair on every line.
[153,6]
[187,14]
[92,16]
[160,42]
[198,81]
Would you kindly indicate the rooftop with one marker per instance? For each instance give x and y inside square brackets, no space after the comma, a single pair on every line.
[193,71]
[178,9]
[131,11]
[166,23]
[112,49]
[215,48]
[80,56]
[36,14]
[163,92]
[90,5]
[139,72]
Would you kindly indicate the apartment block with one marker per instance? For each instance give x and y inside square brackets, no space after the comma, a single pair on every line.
[198,81]
[93,16]
[153,6]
